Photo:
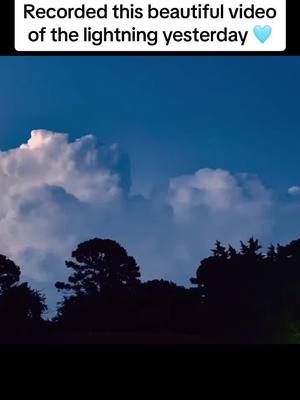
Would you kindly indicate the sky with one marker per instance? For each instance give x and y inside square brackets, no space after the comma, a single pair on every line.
[237,113]
[179,150]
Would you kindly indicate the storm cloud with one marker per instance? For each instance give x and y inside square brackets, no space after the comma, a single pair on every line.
[56,193]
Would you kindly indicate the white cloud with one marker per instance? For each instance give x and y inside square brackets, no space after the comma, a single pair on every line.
[214,204]
[294,190]
[89,171]
[56,193]
[219,191]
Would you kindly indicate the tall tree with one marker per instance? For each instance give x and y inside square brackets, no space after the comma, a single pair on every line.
[251,249]
[102,265]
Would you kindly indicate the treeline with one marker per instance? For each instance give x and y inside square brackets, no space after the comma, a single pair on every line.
[237,296]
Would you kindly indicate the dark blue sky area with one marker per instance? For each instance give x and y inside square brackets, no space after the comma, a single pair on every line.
[173,115]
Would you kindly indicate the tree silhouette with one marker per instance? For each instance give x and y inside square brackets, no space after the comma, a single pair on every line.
[251,249]
[241,296]
[9,273]
[102,266]
[219,251]
[21,304]
[167,307]
[21,307]
[102,287]
[234,287]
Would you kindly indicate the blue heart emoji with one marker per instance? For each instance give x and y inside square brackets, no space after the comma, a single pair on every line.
[262,32]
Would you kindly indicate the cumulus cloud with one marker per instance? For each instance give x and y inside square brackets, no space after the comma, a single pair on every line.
[89,171]
[56,193]
[220,192]
[214,204]
[294,190]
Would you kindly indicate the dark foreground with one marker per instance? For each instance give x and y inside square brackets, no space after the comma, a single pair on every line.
[106,338]
[125,338]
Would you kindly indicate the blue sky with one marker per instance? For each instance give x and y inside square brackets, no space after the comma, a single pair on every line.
[173,115]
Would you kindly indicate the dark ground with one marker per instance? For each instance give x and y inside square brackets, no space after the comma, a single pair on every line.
[106,338]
